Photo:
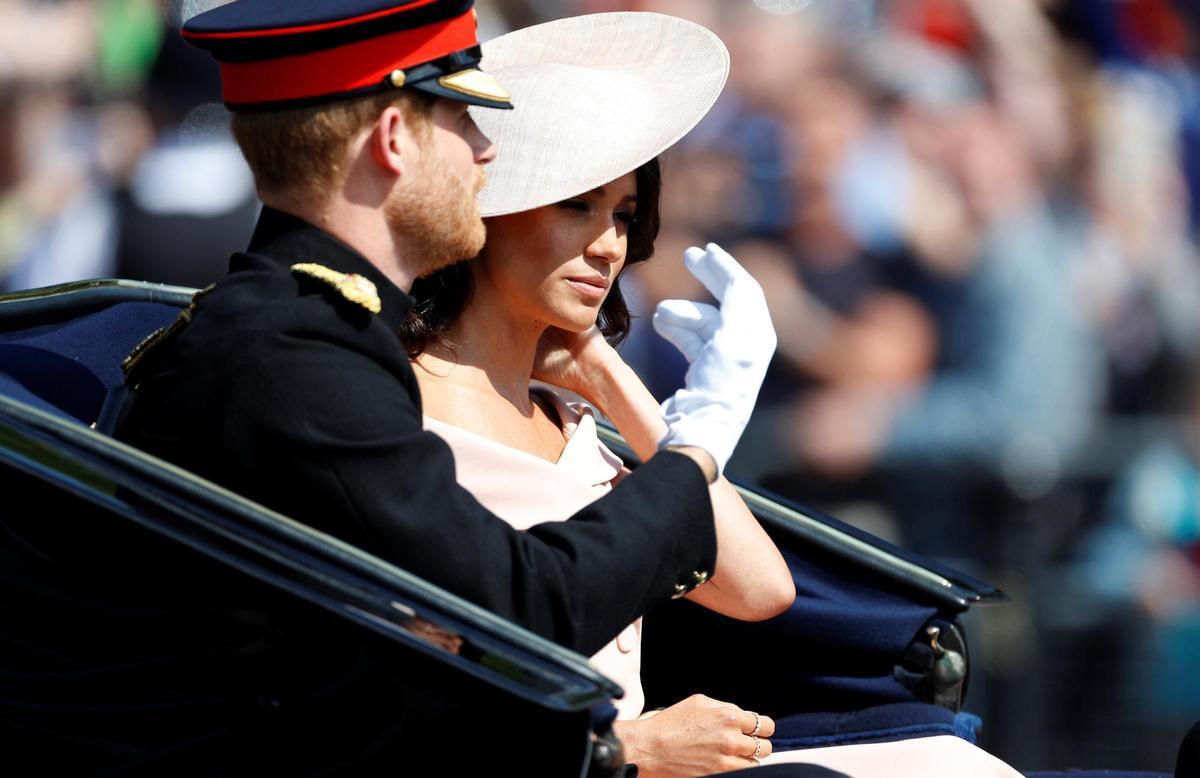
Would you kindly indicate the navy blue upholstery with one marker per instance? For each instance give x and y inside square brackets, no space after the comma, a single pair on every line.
[70,364]
[10,387]
[834,650]
[832,656]
[897,721]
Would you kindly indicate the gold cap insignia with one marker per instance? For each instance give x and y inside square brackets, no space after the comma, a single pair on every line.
[352,286]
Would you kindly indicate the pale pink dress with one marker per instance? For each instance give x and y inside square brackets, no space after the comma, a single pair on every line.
[524,490]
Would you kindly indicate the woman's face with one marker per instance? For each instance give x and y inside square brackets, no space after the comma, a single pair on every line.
[555,265]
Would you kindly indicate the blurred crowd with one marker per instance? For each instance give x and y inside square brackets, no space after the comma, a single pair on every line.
[975,222]
[115,155]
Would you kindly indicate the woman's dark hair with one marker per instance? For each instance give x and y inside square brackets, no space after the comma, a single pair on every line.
[442,296]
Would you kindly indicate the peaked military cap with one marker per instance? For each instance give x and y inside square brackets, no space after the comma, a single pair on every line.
[288,53]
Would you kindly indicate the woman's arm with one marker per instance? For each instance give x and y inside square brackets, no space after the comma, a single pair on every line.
[751,581]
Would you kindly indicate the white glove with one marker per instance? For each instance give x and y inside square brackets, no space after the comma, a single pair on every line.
[729,350]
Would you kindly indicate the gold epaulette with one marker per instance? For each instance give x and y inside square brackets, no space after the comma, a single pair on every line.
[160,336]
[355,288]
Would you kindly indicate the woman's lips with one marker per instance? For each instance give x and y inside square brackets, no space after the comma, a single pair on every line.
[591,287]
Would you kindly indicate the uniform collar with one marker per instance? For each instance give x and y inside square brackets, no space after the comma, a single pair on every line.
[288,239]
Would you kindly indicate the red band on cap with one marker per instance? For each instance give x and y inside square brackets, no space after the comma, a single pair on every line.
[343,68]
[277,31]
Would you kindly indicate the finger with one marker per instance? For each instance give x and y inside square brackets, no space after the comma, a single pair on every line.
[754,747]
[687,325]
[754,723]
[707,269]
[688,342]
[713,267]
[701,317]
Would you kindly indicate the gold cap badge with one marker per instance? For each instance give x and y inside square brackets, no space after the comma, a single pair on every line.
[352,286]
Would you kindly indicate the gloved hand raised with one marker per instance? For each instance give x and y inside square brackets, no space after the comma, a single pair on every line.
[729,349]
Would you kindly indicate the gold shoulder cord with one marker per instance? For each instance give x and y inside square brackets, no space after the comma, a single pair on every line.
[355,288]
[162,335]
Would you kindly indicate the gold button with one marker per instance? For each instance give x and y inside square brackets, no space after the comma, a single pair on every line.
[680,590]
[397,78]
[699,576]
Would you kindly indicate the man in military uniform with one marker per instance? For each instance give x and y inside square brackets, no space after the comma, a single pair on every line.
[287,383]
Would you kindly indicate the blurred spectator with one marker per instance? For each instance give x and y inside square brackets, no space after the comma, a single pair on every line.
[190,201]
[1016,384]
[61,222]
[110,170]
[1136,271]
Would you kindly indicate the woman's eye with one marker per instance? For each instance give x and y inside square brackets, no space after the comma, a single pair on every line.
[574,205]
[625,217]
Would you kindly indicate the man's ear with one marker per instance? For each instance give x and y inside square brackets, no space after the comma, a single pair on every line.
[390,141]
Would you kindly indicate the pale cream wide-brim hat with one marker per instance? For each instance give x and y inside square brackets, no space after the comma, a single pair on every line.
[593,98]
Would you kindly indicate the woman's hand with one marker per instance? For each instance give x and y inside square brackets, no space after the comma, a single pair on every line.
[728,349]
[698,736]
[579,361]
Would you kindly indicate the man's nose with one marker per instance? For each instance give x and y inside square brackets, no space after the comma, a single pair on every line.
[485,150]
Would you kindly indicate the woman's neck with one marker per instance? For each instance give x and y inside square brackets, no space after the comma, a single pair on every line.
[491,349]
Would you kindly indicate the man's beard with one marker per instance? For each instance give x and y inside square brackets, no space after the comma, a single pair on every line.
[436,218]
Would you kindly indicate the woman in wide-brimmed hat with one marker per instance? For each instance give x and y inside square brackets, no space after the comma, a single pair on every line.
[571,202]
[567,210]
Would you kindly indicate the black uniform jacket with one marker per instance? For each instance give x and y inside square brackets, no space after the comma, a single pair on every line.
[285,391]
